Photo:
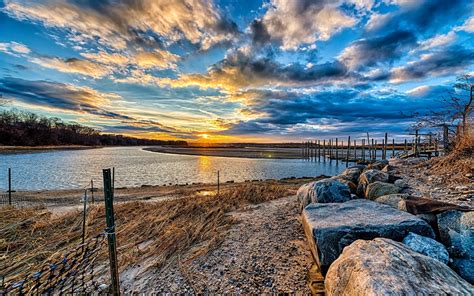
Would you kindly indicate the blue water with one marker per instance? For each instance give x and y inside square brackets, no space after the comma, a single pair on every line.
[136,167]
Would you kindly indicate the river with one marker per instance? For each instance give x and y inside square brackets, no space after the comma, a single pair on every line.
[136,167]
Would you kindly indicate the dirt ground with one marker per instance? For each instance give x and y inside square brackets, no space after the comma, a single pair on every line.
[263,252]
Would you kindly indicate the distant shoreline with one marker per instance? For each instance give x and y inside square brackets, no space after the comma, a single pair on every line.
[34,149]
[250,152]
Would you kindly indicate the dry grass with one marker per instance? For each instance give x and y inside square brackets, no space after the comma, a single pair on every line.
[454,167]
[145,230]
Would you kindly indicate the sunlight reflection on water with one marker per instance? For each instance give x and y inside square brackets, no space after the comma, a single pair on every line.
[136,167]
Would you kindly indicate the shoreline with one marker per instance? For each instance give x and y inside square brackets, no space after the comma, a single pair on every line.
[36,149]
[253,153]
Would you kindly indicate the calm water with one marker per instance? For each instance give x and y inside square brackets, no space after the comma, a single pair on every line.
[136,167]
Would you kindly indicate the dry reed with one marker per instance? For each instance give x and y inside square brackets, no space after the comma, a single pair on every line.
[156,231]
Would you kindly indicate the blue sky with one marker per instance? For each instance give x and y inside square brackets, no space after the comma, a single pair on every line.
[233,71]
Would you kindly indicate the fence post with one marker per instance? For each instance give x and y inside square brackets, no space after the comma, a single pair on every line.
[9,186]
[84,216]
[218,182]
[109,215]
[92,191]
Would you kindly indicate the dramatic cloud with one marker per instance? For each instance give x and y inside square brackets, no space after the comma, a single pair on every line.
[297,22]
[72,65]
[372,51]
[157,58]
[438,63]
[118,23]
[61,96]
[438,40]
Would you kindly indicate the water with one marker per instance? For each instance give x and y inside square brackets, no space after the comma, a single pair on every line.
[136,167]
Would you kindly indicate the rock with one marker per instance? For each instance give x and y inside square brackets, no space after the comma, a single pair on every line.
[427,246]
[351,174]
[323,191]
[464,267]
[332,226]
[396,201]
[345,180]
[387,168]
[400,183]
[378,165]
[370,176]
[378,189]
[386,267]
[456,230]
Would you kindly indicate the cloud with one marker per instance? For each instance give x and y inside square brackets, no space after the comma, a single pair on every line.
[14,48]
[107,58]
[297,22]
[72,65]
[438,40]
[118,24]
[438,63]
[468,26]
[242,69]
[329,110]
[60,96]
[158,58]
[375,50]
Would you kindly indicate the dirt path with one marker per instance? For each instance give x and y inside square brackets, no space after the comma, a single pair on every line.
[264,251]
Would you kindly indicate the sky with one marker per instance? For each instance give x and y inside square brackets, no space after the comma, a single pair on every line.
[235,70]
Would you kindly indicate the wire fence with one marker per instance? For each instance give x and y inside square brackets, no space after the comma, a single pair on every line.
[79,271]
[17,200]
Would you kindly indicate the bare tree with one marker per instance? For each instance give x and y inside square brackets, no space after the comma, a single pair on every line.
[457,109]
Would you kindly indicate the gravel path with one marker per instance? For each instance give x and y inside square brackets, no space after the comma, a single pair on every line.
[264,252]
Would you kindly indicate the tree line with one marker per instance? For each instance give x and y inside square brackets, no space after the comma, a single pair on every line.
[30,129]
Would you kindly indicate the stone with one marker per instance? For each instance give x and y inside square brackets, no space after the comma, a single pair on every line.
[385,267]
[323,191]
[456,230]
[396,201]
[368,177]
[352,174]
[345,180]
[378,165]
[378,189]
[427,246]
[400,183]
[330,227]
[464,267]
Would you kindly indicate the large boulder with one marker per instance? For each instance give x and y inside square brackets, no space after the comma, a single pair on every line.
[456,230]
[332,226]
[345,180]
[427,246]
[323,191]
[370,176]
[378,189]
[385,267]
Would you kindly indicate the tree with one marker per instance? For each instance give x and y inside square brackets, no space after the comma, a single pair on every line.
[457,109]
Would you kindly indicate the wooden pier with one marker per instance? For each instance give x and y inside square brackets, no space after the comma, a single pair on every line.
[366,150]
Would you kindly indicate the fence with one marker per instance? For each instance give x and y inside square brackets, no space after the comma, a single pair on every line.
[79,270]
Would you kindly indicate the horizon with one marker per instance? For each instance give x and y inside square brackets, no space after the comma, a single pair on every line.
[235,71]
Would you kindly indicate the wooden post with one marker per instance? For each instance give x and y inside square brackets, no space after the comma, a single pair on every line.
[393,148]
[319,150]
[385,146]
[375,154]
[348,150]
[363,150]
[109,216]
[337,151]
[218,182]
[324,150]
[84,216]
[416,143]
[330,150]
[373,149]
[9,186]
[445,137]
[355,150]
